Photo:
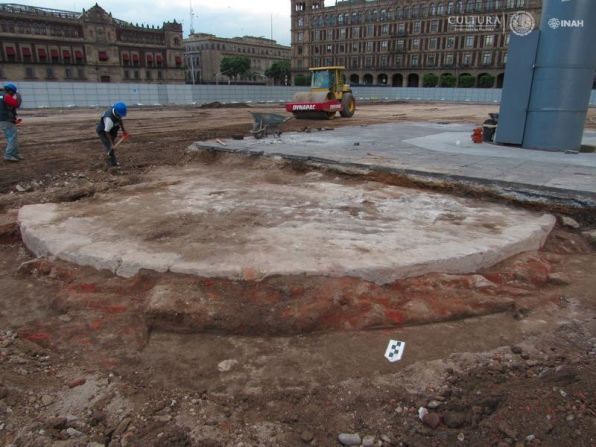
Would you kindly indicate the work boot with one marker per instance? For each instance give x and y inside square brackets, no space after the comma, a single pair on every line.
[12,159]
[112,161]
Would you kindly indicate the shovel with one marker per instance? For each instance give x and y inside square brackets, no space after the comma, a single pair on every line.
[123,138]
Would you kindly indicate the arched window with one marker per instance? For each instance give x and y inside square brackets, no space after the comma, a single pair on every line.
[450,8]
[433,9]
[441,9]
[416,11]
[376,15]
[383,14]
[399,13]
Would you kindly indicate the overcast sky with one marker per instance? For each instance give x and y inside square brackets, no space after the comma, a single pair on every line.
[225,18]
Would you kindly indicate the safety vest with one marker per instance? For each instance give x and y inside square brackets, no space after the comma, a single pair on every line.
[115,119]
[7,113]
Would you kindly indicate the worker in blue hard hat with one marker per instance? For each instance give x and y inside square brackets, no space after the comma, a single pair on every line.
[10,101]
[108,127]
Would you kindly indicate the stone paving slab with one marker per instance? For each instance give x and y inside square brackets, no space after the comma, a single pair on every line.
[238,222]
[437,150]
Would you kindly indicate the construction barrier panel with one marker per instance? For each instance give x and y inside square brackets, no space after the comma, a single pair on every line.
[89,94]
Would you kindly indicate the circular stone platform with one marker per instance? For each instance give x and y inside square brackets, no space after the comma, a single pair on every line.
[226,220]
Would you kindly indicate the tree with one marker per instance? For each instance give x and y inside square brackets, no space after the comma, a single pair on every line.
[430,80]
[279,71]
[486,80]
[466,81]
[235,66]
[447,80]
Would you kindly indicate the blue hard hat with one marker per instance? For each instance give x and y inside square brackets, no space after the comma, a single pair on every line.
[10,87]
[121,109]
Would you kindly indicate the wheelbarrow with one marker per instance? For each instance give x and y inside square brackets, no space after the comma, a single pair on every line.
[267,124]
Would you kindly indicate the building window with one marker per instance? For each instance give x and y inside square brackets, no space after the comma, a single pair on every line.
[81,73]
[160,75]
[300,36]
[450,42]
[414,60]
[103,56]
[400,44]
[385,29]
[383,61]
[11,54]
[401,29]
[385,45]
[417,26]
[26,52]
[29,73]
[49,73]
[432,43]
[148,75]
[431,60]
[434,26]
[369,47]
[469,42]
[487,58]
[399,60]
[504,58]
[467,59]
[126,74]
[415,44]
[449,59]
[68,73]
[489,41]
[55,55]
[137,75]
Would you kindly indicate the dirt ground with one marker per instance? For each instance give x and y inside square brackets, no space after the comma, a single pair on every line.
[82,365]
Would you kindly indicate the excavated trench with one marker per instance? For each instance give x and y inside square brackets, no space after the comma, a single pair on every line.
[247,246]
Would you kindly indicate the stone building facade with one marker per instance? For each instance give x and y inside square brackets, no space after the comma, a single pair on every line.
[204,53]
[51,45]
[397,42]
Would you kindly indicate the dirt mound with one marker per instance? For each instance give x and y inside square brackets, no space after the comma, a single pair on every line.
[219,105]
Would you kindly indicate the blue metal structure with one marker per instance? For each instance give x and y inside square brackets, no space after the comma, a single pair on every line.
[562,79]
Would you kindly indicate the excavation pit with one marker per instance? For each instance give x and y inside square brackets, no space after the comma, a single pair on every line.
[281,246]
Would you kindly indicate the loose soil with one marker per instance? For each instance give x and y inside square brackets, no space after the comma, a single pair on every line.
[81,363]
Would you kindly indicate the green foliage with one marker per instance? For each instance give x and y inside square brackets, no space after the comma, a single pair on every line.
[447,80]
[466,81]
[301,80]
[486,81]
[430,80]
[234,66]
[279,71]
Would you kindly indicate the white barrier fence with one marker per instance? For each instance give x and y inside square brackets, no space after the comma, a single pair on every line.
[88,94]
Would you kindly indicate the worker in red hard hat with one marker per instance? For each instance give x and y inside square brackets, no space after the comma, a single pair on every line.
[10,101]
[108,127]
